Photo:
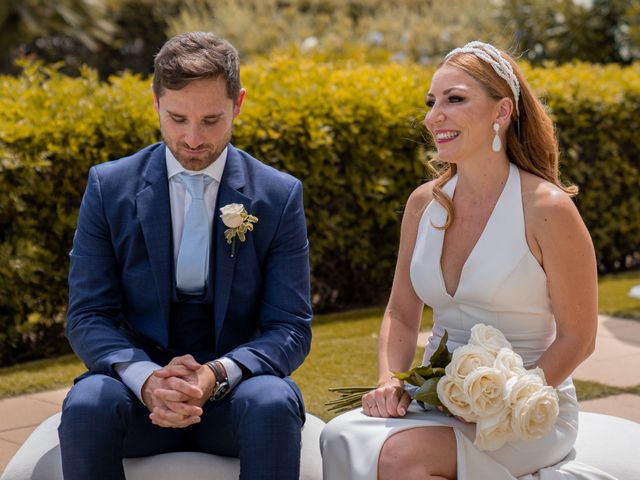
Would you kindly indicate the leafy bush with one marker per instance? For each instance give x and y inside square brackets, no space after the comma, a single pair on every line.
[351,132]
[52,129]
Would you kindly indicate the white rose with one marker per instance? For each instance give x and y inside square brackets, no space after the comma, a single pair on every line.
[538,371]
[509,362]
[494,431]
[520,388]
[451,394]
[533,416]
[488,337]
[484,389]
[466,359]
[232,215]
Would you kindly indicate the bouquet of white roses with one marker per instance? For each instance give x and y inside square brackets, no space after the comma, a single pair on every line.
[486,383]
[483,382]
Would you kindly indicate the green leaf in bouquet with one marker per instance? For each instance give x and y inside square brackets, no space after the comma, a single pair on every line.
[411,377]
[425,371]
[442,356]
[428,392]
[404,376]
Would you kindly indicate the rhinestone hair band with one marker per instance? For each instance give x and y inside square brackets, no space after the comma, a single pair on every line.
[491,55]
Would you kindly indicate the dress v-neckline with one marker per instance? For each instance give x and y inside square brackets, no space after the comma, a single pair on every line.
[499,201]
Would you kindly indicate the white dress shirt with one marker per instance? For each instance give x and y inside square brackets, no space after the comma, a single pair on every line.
[135,374]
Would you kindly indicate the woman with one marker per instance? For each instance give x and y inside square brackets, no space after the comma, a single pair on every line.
[495,239]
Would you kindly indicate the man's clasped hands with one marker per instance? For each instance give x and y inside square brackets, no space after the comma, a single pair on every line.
[176,393]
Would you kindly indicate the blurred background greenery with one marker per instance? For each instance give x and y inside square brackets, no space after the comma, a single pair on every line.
[114,35]
[336,93]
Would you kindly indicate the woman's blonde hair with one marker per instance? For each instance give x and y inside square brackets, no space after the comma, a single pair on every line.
[530,138]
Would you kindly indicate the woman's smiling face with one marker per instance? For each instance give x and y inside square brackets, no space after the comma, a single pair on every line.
[461,115]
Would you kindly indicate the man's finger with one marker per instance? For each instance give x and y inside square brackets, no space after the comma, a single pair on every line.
[170,395]
[185,387]
[187,361]
[173,371]
[184,409]
[164,417]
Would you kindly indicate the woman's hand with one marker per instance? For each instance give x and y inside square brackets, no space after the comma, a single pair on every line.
[388,400]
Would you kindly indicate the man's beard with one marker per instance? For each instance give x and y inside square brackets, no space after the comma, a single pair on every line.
[197,163]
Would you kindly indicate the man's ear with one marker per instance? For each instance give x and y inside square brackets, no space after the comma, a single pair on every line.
[156,102]
[237,105]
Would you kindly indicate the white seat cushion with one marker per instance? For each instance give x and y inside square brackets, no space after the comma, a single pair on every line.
[39,459]
[611,444]
[605,442]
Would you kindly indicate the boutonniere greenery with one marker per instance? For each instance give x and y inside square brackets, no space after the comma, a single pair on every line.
[239,222]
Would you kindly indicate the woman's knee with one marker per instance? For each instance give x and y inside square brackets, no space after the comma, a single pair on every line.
[419,453]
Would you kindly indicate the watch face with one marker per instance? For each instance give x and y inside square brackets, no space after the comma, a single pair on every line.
[220,391]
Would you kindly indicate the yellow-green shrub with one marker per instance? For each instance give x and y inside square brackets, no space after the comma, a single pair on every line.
[52,129]
[597,114]
[351,132]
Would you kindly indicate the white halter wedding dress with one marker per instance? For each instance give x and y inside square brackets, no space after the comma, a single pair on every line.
[502,285]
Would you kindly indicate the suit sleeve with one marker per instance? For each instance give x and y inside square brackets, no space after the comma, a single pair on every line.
[94,313]
[285,308]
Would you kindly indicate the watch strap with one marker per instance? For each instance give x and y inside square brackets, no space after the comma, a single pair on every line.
[221,387]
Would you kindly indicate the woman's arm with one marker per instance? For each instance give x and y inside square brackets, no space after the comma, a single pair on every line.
[568,258]
[401,321]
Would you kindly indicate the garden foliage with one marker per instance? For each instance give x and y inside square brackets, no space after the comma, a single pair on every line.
[351,132]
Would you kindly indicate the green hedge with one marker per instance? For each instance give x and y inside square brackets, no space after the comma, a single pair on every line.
[351,132]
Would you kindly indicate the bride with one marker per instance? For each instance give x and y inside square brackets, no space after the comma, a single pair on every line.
[495,239]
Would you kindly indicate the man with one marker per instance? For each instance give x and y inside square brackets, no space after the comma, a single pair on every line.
[189,323]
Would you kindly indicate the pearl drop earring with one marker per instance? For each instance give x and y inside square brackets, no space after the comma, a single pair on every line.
[496,145]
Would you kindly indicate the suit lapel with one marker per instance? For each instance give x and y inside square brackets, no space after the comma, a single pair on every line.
[233,180]
[154,214]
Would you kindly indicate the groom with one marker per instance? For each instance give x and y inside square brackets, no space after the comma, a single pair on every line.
[189,339]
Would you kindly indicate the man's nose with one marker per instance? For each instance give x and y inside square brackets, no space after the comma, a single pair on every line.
[193,137]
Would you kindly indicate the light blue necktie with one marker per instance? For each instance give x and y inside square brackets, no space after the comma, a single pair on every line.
[194,246]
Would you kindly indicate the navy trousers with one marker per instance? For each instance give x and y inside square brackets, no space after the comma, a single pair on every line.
[260,422]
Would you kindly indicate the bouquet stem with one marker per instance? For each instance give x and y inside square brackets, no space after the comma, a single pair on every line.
[350,398]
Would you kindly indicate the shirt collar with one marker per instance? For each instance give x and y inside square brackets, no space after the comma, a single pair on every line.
[214,170]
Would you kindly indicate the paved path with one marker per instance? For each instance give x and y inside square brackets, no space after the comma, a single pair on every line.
[616,362]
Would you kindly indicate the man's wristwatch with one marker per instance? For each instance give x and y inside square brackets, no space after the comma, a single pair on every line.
[221,387]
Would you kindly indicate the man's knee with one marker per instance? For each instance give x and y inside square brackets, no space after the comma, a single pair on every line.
[268,398]
[95,400]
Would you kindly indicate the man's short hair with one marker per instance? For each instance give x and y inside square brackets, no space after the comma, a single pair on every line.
[193,56]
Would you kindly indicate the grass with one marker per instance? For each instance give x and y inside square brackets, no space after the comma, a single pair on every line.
[343,352]
[614,297]
[39,376]
[591,390]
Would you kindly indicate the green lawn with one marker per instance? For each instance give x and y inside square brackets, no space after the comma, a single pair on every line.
[39,376]
[343,353]
[613,298]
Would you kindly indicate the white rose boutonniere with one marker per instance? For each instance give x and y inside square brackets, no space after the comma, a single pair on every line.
[239,222]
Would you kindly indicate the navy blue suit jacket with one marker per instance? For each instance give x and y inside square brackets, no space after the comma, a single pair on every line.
[121,266]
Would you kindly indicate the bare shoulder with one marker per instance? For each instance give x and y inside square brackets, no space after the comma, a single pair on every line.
[418,200]
[546,206]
